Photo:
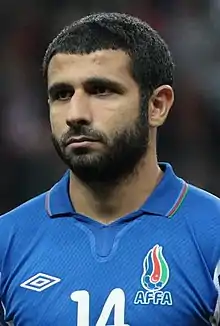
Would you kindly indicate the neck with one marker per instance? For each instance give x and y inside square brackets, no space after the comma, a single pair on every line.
[107,205]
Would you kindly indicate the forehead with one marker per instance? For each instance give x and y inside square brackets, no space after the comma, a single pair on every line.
[113,64]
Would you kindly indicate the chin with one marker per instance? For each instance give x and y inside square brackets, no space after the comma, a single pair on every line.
[86,160]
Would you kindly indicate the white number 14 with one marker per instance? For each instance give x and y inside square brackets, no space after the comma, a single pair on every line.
[116,300]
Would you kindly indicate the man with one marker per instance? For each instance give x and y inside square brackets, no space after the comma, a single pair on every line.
[120,239]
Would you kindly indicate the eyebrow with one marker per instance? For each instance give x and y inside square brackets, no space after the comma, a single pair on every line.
[105,82]
[92,81]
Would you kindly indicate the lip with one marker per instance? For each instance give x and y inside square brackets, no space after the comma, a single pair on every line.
[80,139]
[81,144]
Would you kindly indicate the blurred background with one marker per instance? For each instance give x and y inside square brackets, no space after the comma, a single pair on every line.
[189,140]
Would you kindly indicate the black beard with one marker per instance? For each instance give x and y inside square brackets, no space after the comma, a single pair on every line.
[106,169]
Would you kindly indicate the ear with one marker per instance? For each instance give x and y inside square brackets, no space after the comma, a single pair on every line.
[159,105]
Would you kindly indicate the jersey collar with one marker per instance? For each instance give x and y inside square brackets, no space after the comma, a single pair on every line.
[57,201]
[164,201]
[168,196]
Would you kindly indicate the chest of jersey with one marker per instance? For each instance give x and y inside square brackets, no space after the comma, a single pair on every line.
[142,274]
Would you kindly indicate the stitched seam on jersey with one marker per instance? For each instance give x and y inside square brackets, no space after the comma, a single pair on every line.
[92,240]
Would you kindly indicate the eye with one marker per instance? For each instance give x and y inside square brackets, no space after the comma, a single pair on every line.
[60,92]
[63,95]
[100,90]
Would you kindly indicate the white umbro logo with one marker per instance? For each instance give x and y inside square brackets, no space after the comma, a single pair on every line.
[40,282]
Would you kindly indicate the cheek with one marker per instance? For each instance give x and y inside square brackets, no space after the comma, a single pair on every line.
[57,122]
[116,117]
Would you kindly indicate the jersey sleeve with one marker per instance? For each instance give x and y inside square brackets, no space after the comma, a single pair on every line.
[2,250]
[2,323]
[217,285]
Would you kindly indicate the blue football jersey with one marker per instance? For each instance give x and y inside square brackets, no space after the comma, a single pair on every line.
[159,265]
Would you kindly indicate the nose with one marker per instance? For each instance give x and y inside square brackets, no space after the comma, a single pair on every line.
[79,109]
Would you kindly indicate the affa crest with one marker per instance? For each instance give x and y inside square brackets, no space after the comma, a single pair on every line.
[155,270]
[155,277]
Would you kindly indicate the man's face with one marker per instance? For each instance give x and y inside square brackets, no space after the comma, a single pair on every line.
[97,126]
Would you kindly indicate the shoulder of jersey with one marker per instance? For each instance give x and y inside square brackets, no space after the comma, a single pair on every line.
[30,211]
[203,203]
[21,224]
[201,212]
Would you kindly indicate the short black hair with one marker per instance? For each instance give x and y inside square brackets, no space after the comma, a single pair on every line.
[151,61]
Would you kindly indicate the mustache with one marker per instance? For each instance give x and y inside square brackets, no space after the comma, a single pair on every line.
[77,130]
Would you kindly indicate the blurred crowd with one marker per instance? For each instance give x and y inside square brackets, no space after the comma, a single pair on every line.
[189,140]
